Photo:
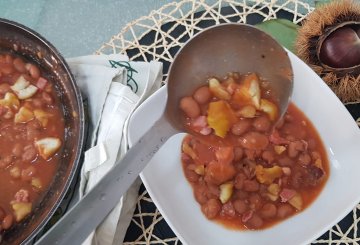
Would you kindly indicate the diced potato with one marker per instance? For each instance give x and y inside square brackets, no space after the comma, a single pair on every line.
[23,115]
[267,175]
[318,163]
[218,90]
[42,117]
[274,190]
[269,108]
[36,182]
[20,84]
[10,100]
[296,201]
[247,111]
[272,197]
[200,169]
[47,147]
[189,151]
[226,191]
[21,209]
[27,92]
[249,91]
[15,172]
[279,149]
[23,88]
[220,117]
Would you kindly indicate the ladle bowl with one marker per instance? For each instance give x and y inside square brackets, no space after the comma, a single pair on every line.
[226,48]
[213,52]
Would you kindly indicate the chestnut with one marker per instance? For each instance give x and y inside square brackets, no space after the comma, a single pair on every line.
[341,48]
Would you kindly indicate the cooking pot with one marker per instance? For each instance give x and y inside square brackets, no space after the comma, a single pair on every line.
[20,40]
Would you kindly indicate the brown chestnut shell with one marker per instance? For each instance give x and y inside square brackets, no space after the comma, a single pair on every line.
[325,62]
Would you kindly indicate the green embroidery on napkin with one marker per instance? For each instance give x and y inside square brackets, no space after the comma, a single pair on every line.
[130,72]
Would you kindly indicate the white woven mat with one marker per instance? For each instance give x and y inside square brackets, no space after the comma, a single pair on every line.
[182,15]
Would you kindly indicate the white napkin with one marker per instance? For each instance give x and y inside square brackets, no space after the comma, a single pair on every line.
[113,88]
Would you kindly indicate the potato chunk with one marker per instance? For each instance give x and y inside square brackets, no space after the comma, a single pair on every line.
[296,201]
[218,90]
[42,117]
[220,117]
[269,108]
[23,88]
[47,147]
[249,92]
[10,100]
[226,191]
[20,84]
[21,209]
[267,175]
[23,115]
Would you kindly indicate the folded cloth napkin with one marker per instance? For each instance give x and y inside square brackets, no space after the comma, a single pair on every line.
[113,87]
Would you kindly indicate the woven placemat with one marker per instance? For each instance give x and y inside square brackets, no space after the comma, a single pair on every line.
[159,36]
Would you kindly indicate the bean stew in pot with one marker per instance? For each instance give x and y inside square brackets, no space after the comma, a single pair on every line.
[246,171]
[31,136]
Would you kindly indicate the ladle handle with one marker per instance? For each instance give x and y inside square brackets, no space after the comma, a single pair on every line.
[89,212]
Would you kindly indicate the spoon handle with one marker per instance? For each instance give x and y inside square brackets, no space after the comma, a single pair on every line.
[86,215]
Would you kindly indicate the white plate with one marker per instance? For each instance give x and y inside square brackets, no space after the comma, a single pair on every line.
[172,194]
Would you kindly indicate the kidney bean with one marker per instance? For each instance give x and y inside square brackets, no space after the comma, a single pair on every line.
[241,194]
[268,211]
[200,193]
[202,95]
[8,114]
[7,221]
[4,88]
[284,210]
[255,222]
[7,69]
[19,65]
[31,131]
[239,181]
[17,150]
[33,70]
[262,124]
[285,161]
[191,175]
[47,98]
[238,153]
[29,153]
[190,107]
[211,208]
[241,127]
[28,173]
[228,209]
[37,103]
[304,158]
[254,141]
[240,206]
[255,201]
[213,190]
[251,185]
[292,151]
[268,156]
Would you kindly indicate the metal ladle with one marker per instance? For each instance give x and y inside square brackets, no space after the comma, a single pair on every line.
[212,52]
